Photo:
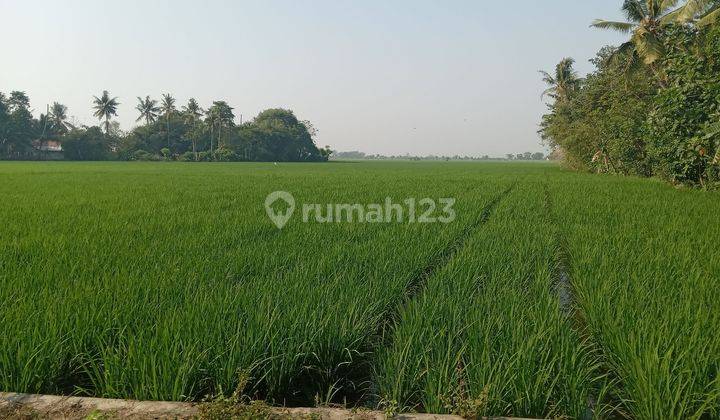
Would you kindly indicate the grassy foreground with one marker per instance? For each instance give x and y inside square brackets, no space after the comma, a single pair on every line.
[551,294]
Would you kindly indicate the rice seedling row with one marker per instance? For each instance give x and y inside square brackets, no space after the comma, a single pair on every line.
[488,336]
[645,268]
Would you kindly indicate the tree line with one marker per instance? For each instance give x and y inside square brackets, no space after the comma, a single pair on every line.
[357,155]
[651,107]
[166,132]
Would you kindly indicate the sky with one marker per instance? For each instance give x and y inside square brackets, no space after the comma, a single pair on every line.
[380,76]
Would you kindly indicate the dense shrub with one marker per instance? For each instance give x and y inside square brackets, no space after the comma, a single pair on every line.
[274,135]
[683,135]
[86,144]
[633,119]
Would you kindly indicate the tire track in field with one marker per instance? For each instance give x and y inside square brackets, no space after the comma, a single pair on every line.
[354,385]
[561,270]
[565,292]
[417,284]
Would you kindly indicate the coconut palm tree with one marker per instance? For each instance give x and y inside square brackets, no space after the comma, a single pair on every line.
[58,113]
[192,113]
[105,107]
[701,12]
[219,115]
[564,83]
[148,110]
[646,20]
[167,106]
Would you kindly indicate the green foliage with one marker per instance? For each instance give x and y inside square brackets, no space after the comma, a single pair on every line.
[644,268]
[275,135]
[105,108]
[656,120]
[148,109]
[489,332]
[224,155]
[86,144]
[187,157]
[17,127]
[191,284]
[601,126]
[142,155]
[683,135]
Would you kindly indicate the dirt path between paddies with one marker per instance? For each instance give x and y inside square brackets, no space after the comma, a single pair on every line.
[33,406]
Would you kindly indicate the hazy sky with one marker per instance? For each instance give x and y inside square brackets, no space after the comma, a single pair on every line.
[440,77]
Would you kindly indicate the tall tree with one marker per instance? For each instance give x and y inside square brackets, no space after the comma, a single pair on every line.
[219,115]
[20,129]
[18,100]
[148,110]
[646,19]
[58,114]
[192,113]
[4,126]
[105,108]
[701,12]
[564,83]
[167,106]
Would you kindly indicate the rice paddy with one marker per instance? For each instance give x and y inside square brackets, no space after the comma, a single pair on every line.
[551,294]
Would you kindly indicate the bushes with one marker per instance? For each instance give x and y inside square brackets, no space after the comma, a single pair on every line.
[274,135]
[86,144]
[684,134]
[649,122]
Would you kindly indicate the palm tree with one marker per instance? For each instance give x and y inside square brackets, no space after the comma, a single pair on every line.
[646,20]
[105,107]
[167,106]
[58,112]
[192,112]
[564,83]
[148,109]
[219,114]
[701,12]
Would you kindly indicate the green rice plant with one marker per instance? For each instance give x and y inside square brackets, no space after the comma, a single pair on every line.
[645,268]
[488,334]
[157,281]
[165,281]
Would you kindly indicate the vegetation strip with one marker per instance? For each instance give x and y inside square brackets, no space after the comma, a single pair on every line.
[51,406]
[184,294]
[364,364]
[650,107]
[562,285]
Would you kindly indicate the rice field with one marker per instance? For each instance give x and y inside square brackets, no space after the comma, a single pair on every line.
[551,294]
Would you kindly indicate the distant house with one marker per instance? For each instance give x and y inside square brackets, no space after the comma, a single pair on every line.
[48,149]
[47,145]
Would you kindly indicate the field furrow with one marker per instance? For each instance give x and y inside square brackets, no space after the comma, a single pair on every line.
[645,270]
[488,336]
[551,294]
[151,291]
